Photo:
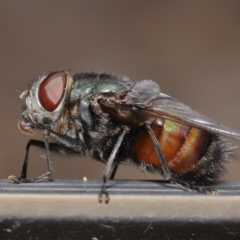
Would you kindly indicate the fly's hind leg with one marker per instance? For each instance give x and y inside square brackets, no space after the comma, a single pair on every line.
[165,169]
[191,187]
[167,173]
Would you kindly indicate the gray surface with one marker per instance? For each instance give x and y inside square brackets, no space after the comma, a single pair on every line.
[128,200]
[69,209]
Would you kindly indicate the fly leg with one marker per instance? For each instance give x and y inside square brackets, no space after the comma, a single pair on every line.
[189,186]
[107,169]
[168,175]
[65,145]
[44,176]
[30,143]
[113,173]
[54,147]
[165,169]
[23,176]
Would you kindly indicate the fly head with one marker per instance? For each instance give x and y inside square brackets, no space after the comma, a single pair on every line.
[45,102]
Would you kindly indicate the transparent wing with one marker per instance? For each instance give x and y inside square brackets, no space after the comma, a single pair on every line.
[166,107]
[146,97]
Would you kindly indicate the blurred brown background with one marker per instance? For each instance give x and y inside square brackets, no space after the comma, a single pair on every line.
[191,48]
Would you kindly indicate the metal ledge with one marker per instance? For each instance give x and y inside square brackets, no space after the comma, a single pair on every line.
[69,209]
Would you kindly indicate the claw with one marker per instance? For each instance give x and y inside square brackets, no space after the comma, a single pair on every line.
[100,198]
[47,178]
[212,192]
[100,195]
[107,199]
[14,179]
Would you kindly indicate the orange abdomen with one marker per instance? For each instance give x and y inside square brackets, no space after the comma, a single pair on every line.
[183,146]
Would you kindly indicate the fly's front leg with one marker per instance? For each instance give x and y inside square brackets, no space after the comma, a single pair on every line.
[76,145]
[50,165]
[65,145]
[107,169]
[44,176]
[51,168]
[54,147]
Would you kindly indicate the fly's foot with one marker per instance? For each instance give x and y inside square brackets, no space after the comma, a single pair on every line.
[201,189]
[192,187]
[15,179]
[103,191]
[210,191]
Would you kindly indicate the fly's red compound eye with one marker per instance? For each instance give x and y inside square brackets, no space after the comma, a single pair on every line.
[52,90]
